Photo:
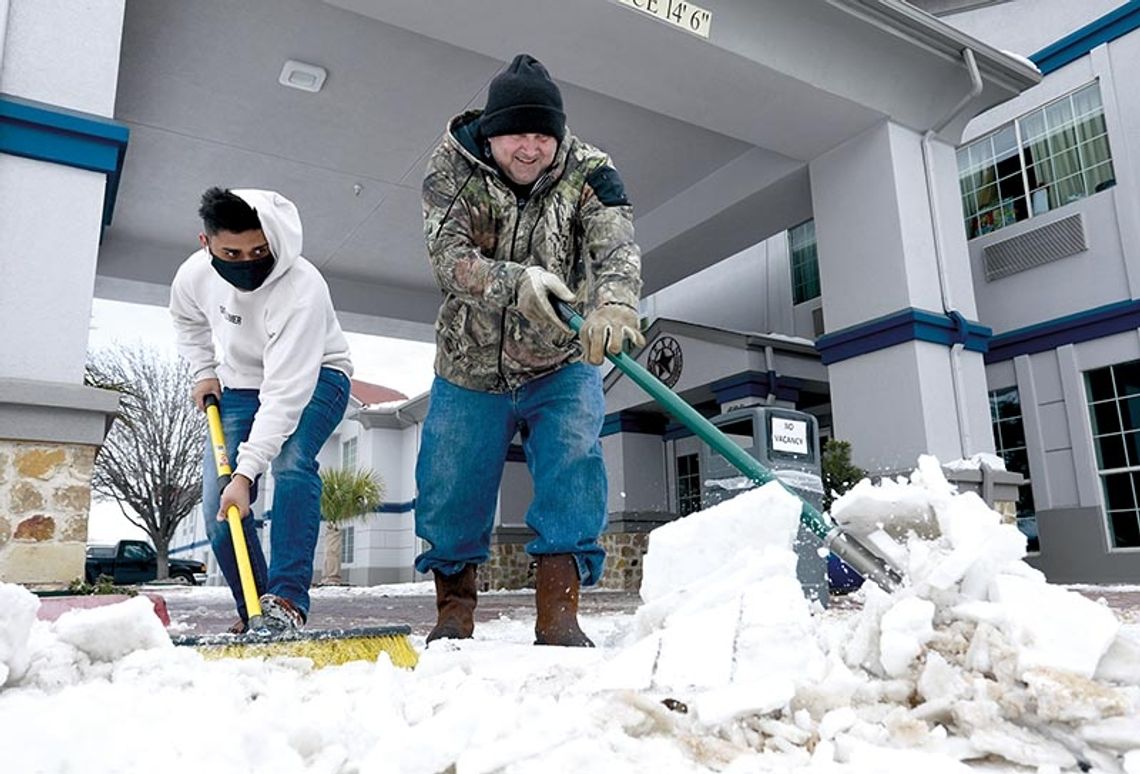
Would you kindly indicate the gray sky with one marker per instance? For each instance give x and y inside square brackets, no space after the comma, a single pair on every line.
[402,365]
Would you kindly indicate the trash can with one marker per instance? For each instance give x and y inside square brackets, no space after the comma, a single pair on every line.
[786,442]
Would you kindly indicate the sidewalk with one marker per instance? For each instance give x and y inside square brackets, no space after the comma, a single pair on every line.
[204,610]
[211,609]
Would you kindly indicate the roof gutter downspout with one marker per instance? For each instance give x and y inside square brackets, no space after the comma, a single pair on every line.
[770,364]
[964,438]
[4,11]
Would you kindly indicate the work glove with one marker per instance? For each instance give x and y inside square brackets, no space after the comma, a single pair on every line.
[534,289]
[609,327]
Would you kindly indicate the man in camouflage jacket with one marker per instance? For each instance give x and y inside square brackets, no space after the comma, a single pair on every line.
[517,209]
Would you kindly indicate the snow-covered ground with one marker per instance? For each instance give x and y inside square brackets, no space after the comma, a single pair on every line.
[976,664]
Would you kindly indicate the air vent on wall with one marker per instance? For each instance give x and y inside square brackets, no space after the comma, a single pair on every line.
[817,321]
[1046,244]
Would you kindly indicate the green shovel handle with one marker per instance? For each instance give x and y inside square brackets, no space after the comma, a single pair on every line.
[843,545]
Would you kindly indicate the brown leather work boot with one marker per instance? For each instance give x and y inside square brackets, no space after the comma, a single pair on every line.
[455,599]
[556,596]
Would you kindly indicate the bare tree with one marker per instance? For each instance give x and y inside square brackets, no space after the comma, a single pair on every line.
[151,462]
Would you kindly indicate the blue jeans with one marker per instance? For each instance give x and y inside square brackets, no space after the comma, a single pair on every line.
[460,466]
[296,513]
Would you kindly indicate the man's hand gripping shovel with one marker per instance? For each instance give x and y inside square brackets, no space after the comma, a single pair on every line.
[233,518]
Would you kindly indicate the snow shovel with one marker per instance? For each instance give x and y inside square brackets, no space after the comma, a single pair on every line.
[332,646]
[844,545]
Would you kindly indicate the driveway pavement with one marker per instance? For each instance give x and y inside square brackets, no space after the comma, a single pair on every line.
[211,609]
[206,610]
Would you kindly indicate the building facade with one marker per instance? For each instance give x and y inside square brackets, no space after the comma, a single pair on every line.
[851,207]
[1050,207]
[1050,210]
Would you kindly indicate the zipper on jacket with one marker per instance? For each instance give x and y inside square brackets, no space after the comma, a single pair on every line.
[520,204]
[502,338]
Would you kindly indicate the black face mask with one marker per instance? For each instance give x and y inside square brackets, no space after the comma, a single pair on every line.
[244,275]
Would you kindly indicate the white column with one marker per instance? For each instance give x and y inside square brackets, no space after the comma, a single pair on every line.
[59,66]
[65,55]
[877,231]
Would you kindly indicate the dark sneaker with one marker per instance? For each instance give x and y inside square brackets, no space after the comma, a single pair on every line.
[280,614]
[239,627]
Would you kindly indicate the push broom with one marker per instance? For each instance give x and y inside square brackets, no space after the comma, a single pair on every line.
[323,647]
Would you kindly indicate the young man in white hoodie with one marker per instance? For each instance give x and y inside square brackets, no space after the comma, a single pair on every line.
[281,374]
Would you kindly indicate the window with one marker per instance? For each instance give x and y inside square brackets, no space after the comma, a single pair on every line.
[1009,440]
[138,552]
[348,454]
[1043,160]
[688,484]
[805,262]
[347,544]
[1114,413]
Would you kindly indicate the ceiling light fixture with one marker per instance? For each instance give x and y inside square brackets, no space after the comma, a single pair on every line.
[299,75]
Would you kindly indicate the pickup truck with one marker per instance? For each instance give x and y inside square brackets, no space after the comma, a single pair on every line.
[134,561]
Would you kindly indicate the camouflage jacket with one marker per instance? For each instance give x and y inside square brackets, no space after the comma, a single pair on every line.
[576,223]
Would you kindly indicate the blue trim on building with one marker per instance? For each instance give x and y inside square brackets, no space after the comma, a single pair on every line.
[57,135]
[676,430]
[1073,46]
[188,547]
[756,384]
[410,505]
[899,327]
[1072,329]
[631,422]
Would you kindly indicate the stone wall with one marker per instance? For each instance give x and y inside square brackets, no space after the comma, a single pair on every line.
[508,567]
[624,554]
[45,497]
[511,567]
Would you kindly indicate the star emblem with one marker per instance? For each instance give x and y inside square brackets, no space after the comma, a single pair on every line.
[665,360]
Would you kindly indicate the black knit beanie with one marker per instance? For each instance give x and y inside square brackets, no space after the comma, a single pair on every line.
[523,100]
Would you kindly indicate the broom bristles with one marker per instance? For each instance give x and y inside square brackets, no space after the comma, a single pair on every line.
[322,652]
[324,648]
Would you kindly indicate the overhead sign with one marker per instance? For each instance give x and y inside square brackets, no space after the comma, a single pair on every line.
[789,435]
[679,13]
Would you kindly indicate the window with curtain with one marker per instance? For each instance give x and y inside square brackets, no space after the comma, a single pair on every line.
[805,262]
[1009,442]
[1114,414]
[1046,159]
[348,454]
[347,545]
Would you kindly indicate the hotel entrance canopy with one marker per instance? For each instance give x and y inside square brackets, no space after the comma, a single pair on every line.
[712,135]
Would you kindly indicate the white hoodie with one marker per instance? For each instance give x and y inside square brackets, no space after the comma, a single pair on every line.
[274,339]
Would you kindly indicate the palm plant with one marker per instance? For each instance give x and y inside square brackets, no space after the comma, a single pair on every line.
[346,495]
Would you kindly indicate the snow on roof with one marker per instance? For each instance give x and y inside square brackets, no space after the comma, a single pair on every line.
[992,461]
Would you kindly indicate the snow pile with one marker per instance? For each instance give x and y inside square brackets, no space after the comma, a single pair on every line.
[78,645]
[725,667]
[976,657]
[111,632]
[17,612]
[724,613]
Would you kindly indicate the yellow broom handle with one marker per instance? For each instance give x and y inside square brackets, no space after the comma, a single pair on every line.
[233,515]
